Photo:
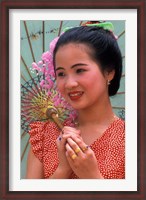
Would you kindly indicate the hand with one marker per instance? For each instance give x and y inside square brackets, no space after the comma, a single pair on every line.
[81,158]
[63,167]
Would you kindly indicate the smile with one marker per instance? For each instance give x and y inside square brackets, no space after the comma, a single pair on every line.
[75,95]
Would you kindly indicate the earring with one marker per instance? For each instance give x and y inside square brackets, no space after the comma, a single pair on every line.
[108,82]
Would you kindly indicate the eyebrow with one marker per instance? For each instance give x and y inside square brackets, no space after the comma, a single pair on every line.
[73,66]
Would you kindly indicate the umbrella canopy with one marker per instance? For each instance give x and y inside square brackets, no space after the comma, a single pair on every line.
[36,36]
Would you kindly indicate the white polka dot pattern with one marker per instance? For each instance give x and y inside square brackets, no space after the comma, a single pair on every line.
[109,149]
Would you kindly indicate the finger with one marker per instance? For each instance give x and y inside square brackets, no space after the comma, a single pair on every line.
[69,135]
[79,141]
[75,147]
[68,129]
[70,152]
[60,136]
[60,140]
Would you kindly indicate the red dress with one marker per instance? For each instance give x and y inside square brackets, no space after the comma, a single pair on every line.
[109,149]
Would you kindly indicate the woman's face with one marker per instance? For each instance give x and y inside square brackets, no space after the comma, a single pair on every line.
[79,78]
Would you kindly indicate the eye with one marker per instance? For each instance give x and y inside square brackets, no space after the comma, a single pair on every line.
[60,74]
[80,70]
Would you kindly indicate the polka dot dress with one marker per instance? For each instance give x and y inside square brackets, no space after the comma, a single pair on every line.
[109,149]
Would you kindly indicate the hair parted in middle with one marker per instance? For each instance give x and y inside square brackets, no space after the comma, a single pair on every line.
[102,48]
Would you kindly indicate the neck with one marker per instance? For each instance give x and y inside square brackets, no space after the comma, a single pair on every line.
[96,115]
[94,121]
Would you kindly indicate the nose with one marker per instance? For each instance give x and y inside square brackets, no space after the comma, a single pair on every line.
[71,83]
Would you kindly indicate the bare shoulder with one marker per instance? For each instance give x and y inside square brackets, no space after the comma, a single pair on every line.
[34,167]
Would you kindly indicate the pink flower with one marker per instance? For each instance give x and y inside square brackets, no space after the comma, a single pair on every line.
[48,84]
[40,63]
[46,56]
[35,66]
[42,83]
[53,44]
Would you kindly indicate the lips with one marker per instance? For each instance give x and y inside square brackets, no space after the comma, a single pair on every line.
[75,95]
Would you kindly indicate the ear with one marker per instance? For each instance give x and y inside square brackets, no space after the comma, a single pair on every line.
[109,75]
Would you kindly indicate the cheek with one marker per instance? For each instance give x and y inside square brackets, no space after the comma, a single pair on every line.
[60,86]
[93,79]
[96,82]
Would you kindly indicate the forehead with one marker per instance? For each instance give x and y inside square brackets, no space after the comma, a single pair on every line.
[74,50]
[74,46]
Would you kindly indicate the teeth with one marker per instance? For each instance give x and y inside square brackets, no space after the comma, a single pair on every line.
[75,94]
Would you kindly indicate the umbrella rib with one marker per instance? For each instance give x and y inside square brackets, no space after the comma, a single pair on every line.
[43,28]
[25,149]
[29,74]
[29,90]
[23,77]
[26,67]
[121,34]
[60,28]
[23,134]
[120,92]
[30,45]
[118,107]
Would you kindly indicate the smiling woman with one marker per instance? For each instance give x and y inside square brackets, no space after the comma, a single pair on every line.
[87,70]
[79,74]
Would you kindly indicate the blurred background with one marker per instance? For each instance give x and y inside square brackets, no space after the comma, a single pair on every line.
[35,38]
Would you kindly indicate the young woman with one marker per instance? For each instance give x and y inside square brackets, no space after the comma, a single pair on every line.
[88,67]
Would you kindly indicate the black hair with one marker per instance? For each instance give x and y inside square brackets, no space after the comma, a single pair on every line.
[104,50]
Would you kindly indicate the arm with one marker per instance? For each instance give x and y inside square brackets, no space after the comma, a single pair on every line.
[34,167]
[60,174]
[63,170]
